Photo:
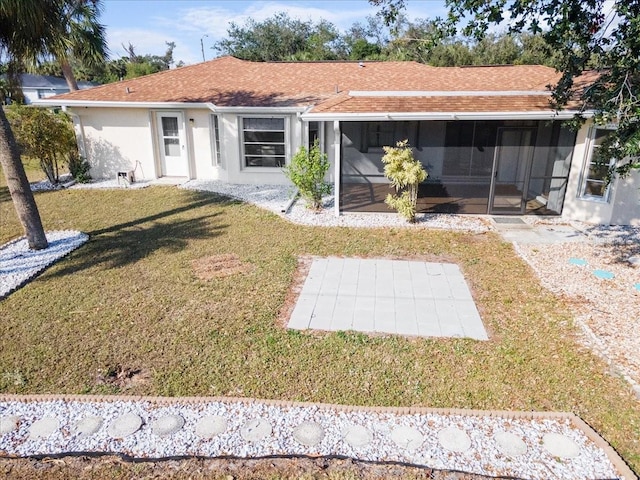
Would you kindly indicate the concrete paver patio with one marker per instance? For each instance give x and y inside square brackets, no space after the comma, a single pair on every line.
[387,296]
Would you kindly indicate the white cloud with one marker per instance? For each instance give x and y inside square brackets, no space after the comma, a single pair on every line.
[192,24]
[214,20]
[188,26]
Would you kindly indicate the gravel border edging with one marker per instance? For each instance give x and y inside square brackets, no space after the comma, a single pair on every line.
[616,460]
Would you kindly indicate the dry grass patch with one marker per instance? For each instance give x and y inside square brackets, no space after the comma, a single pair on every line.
[123,378]
[279,468]
[219,266]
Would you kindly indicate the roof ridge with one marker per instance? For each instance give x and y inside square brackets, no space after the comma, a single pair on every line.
[125,81]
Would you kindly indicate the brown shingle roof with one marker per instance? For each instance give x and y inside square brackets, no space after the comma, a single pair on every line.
[228,81]
[519,103]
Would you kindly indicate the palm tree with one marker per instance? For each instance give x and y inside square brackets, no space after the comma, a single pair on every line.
[84,37]
[26,28]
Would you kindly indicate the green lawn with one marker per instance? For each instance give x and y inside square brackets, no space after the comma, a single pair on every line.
[129,300]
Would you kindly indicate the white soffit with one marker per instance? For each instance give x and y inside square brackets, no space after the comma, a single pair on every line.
[399,116]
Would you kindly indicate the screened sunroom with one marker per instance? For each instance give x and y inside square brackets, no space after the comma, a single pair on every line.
[474,166]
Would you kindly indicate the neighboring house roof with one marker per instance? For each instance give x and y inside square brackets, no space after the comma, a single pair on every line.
[48,82]
[336,87]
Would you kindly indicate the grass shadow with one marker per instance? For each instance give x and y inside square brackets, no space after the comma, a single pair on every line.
[5,196]
[128,242]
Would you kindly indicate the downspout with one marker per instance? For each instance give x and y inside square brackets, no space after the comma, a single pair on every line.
[337,166]
[79,131]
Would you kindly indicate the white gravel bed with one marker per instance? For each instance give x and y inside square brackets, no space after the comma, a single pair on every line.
[608,310]
[256,429]
[18,264]
[277,197]
[45,185]
[111,184]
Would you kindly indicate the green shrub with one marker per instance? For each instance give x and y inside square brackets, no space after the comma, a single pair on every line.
[45,135]
[79,168]
[307,171]
[405,173]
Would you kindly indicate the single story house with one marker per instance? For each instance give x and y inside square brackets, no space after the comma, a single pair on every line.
[487,135]
[36,87]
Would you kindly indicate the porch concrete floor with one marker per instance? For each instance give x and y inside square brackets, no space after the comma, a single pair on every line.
[387,296]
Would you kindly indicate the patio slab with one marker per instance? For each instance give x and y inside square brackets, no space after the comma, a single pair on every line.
[387,296]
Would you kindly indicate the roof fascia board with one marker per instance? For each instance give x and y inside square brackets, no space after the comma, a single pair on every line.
[154,105]
[250,110]
[539,115]
[105,104]
[450,93]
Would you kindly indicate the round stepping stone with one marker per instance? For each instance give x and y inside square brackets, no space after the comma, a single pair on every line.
[9,424]
[358,436]
[634,261]
[88,426]
[407,437]
[560,445]
[454,439]
[125,425]
[43,428]
[209,427]
[255,430]
[510,444]
[168,425]
[603,274]
[308,433]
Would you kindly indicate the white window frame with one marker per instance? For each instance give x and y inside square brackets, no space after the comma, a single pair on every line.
[243,163]
[320,134]
[588,161]
[216,141]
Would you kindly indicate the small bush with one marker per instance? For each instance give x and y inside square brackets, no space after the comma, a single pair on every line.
[45,135]
[79,168]
[405,173]
[307,171]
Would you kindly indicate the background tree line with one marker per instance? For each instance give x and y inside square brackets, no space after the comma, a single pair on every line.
[282,38]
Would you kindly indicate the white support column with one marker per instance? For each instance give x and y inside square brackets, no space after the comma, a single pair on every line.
[337,168]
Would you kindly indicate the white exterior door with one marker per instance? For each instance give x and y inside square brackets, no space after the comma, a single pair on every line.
[174,161]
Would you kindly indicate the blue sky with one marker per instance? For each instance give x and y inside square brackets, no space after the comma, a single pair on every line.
[148,24]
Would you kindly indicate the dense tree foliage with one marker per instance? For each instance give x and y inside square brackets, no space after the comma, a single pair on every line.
[282,38]
[44,135]
[82,40]
[129,65]
[132,64]
[584,38]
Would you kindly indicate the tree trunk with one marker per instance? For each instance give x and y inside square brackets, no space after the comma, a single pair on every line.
[68,75]
[19,188]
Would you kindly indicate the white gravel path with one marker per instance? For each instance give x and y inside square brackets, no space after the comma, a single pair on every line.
[528,447]
[19,264]
[608,310]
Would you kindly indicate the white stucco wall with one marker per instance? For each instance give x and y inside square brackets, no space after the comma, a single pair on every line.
[116,139]
[626,200]
[121,139]
[231,146]
[623,204]
[199,127]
